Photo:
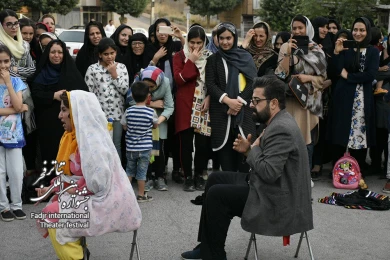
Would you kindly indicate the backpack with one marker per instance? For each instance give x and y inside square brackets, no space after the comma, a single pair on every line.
[346,173]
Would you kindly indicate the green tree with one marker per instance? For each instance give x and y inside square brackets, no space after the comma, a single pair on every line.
[344,11]
[52,6]
[211,7]
[11,4]
[279,13]
[122,7]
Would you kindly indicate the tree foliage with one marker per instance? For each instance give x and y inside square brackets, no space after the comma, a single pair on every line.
[11,4]
[279,13]
[52,6]
[211,7]
[122,7]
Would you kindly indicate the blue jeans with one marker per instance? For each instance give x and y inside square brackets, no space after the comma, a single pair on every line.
[137,164]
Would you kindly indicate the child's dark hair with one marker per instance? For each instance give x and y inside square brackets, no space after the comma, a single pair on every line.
[106,43]
[4,48]
[139,91]
[24,22]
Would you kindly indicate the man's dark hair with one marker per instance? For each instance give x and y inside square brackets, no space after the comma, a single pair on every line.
[273,88]
[139,91]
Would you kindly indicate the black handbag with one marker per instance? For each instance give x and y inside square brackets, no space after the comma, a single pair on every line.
[299,90]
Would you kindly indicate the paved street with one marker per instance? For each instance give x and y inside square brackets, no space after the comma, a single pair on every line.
[170,225]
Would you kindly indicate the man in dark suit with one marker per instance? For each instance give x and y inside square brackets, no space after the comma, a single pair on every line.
[274,199]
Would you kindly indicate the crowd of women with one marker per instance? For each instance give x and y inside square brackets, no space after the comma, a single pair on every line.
[201,90]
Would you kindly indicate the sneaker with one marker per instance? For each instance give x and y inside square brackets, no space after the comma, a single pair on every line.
[189,184]
[148,185]
[176,177]
[312,183]
[200,182]
[160,184]
[7,216]
[192,255]
[19,214]
[386,189]
[210,165]
[144,198]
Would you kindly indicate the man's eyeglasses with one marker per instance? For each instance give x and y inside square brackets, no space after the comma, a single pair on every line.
[12,25]
[256,101]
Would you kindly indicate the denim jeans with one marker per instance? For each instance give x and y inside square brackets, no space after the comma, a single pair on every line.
[117,136]
[137,164]
[11,164]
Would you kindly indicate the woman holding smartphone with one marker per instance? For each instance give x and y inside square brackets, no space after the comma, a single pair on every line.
[310,70]
[351,117]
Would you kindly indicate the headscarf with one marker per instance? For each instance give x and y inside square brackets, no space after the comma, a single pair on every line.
[238,61]
[343,31]
[151,73]
[263,53]
[15,46]
[68,144]
[65,74]
[122,54]
[335,22]
[138,62]
[113,199]
[285,37]
[88,53]
[151,32]
[211,46]
[327,44]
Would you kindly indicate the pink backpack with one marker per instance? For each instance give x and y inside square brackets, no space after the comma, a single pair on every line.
[346,173]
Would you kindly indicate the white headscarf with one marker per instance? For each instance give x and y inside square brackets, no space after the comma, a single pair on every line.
[15,46]
[113,206]
[309,28]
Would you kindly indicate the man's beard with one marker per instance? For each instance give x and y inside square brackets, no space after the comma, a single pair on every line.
[263,116]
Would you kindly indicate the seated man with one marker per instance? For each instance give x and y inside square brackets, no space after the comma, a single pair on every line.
[274,199]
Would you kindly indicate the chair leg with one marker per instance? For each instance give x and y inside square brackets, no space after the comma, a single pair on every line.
[308,245]
[251,239]
[134,245]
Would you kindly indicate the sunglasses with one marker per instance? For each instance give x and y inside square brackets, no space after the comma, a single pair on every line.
[12,25]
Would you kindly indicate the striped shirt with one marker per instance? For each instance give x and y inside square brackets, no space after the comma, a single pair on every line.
[139,122]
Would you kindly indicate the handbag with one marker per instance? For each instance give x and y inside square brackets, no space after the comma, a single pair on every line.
[299,90]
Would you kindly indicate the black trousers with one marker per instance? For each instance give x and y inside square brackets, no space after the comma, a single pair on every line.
[186,143]
[225,197]
[376,151]
[230,159]
[171,148]
[158,166]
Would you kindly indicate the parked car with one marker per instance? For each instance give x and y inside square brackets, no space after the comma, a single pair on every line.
[74,40]
[77,27]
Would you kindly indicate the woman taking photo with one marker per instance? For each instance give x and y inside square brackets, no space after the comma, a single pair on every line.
[351,118]
[88,54]
[309,69]
[229,76]
[192,117]
[109,81]
[56,72]
[259,44]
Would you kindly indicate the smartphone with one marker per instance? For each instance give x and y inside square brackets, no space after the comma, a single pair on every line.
[165,30]
[303,43]
[350,44]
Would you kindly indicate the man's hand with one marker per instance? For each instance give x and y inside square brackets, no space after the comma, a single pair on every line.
[242,145]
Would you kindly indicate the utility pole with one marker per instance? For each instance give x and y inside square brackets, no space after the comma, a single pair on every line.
[152,13]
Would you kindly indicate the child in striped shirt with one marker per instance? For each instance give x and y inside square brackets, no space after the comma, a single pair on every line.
[138,122]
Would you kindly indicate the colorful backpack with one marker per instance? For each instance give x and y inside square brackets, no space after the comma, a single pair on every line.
[346,173]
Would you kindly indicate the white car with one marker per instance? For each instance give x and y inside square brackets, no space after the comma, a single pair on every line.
[74,40]
[141,30]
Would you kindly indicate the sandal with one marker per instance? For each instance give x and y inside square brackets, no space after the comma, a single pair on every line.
[380,91]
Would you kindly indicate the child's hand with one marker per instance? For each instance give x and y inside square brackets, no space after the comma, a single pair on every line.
[24,108]
[5,76]
[111,68]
